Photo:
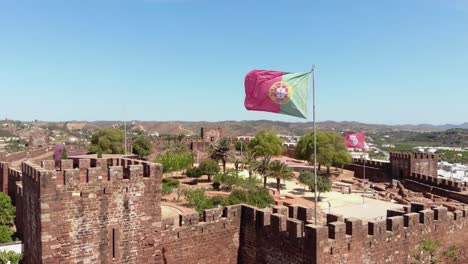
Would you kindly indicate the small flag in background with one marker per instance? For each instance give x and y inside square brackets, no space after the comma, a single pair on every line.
[355,140]
[277,92]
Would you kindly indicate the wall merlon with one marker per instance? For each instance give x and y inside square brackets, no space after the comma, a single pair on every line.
[426,217]
[248,214]
[189,219]
[304,213]
[377,229]
[232,211]
[280,209]
[395,224]
[410,220]
[115,173]
[84,164]
[94,175]
[135,172]
[458,215]
[71,177]
[315,234]
[354,227]
[47,179]
[465,212]
[278,222]
[440,213]
[212,215]
[292,211]
[334,218]
[66,165]
[295,228]
[263,217]
[337,230]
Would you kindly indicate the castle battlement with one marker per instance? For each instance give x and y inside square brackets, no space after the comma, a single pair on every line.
[439,182]
[400,155]
[79,173]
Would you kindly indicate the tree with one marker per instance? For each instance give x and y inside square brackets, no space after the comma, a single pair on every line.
[241,146]
[250,160]
[209,167]
[174,160]
[142,146]
[7,210]
[266,143]
[109,141]
[279,171]
[221,151]
[342,158]
[324,183]
[263,168]
[194,173]
[330,149]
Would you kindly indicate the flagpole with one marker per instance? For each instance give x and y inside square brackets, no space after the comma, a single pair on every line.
[315,143]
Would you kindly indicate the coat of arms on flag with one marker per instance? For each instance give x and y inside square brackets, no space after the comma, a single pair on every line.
[355,140]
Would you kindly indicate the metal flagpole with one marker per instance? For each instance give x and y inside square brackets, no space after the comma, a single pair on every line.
[125,136]
[315,143]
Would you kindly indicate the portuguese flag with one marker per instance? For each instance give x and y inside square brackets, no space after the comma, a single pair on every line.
[277,92]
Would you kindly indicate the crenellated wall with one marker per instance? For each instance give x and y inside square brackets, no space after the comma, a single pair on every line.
[89,214]
[376,171]
[403,164]
[108,211]
[395,239]
[214,239]
[279,237]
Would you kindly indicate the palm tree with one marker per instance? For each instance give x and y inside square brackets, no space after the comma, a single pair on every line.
[250,159]
[221,151]
[263,168]
[279,171]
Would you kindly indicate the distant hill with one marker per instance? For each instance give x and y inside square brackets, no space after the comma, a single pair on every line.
[237,128]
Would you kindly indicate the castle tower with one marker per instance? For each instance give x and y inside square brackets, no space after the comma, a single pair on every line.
[101,211]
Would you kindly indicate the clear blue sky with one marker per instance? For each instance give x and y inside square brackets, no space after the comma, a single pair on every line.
[385,61]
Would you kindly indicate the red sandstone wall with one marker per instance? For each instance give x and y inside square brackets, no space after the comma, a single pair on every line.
[372,174]
[275,236]
[268,237]
[213,240]
[113,217]
[394,240]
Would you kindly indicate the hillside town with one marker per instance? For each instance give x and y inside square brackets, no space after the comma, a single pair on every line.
[233,132]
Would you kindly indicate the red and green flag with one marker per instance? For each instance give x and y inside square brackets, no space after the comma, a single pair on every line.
[277,92]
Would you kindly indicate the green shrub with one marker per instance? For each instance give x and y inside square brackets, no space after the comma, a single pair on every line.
[171,182]
[6,234]
[7,210]
[10,257]
[166,189]
[216,185]
[197,198]
[193,172]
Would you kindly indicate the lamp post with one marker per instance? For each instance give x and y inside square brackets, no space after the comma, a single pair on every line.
[364,179]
